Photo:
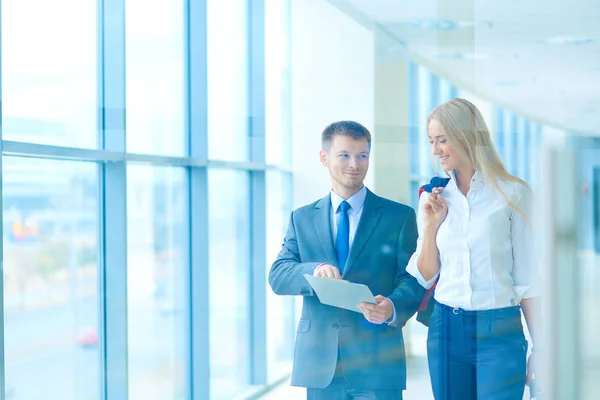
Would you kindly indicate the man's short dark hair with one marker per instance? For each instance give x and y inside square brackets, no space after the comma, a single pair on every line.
[344,128]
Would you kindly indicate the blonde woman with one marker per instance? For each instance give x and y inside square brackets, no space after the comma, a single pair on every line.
[475,241]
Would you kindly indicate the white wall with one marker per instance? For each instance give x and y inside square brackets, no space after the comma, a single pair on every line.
[332,79]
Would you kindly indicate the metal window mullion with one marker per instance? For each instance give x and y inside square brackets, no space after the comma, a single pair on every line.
[258,193]
[413,124]
[535,150]
[434,101]
[113,202]
[197,275]
[523,149]
[424,87]
[508,138]
[453,92]
[436,92]
[498,136]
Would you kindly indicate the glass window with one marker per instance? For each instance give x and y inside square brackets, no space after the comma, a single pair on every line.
[413,113]
[156,295]
[50,279]
[229,233]
[49,73]
[227,62]
[499,131]
[280,309]
[414,195]
[445,91]
[535,150]
[155,77]
[277,81]
[523,149]
[509,155]
[435,92]
[425,100]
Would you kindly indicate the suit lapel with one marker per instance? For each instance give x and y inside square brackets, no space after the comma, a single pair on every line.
[369,219]
[322,222]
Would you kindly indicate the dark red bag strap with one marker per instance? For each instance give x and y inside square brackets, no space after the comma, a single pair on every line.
[426,298]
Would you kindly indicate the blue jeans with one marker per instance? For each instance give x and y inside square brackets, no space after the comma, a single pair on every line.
[477,355]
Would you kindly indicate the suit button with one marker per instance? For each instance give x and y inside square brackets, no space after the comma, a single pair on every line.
[335,326]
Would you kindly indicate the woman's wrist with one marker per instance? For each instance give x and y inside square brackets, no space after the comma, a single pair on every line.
[431,228]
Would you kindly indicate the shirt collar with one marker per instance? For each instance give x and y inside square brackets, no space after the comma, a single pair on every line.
[477,181]
[356,201]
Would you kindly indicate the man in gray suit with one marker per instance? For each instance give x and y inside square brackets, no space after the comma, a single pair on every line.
[355,235]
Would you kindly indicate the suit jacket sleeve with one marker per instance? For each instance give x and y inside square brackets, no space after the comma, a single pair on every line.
[287,272]
[408,293]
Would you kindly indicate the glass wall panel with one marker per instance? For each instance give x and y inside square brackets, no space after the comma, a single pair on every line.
[49,77]
[587,154]
[424,104]
[50,279]
[227,61]
[155,76]
[280,309]
[156,302]
[278,82]
[229,269]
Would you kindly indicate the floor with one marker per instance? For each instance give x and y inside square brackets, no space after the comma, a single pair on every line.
[418,385]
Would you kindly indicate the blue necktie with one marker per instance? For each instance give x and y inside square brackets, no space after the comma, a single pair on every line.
[342,241]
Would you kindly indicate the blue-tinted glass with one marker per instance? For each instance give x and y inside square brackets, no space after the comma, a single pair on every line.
[278,82]
[155,77]
[50,279]
[227,62]
[156,229]
[280,315]
[229,269]
[49,72]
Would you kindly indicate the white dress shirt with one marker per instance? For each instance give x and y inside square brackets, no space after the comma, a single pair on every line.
[486,249]
[357,201]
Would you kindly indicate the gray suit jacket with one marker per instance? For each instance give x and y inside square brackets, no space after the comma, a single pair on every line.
[372,356]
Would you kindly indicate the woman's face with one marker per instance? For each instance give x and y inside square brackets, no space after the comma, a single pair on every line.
[449,158]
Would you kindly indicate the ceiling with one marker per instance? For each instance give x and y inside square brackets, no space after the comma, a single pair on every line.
[539,58]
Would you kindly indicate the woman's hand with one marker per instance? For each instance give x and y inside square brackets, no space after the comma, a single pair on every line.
[435,208]
[530,368]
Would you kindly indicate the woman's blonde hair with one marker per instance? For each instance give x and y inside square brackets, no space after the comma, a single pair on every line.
[467,133]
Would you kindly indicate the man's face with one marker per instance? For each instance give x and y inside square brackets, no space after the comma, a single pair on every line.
[348,161]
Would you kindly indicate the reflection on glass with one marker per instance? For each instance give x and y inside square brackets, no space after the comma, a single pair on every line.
[155,77]
[50,279]
[155,282]
[277,82]
[280,309]
[229,233]
[589,266]
[227,62]
[49,73]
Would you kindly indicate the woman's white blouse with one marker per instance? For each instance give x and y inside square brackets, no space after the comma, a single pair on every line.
[486,248]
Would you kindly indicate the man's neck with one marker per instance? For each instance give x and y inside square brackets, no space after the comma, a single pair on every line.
[346,193]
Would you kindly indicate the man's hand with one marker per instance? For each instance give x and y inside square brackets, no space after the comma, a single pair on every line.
[327,271]
[378,313]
